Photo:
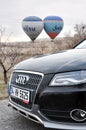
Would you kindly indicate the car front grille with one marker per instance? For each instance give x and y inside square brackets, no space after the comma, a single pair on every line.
[32,86]
[33,82]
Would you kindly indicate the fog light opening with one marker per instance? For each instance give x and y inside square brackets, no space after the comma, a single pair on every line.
[78,115]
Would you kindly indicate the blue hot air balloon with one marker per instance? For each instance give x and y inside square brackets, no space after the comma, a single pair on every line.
[32,26]
[53,25]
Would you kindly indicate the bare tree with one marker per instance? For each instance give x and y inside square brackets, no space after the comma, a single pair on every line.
[9,55]
[80,30]
[80,33]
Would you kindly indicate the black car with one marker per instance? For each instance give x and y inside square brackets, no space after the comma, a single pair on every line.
[51,89]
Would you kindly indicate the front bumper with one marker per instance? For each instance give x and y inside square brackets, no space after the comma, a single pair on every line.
[35,115]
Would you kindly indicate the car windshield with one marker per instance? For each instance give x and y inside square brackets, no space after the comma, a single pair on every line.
[82,45]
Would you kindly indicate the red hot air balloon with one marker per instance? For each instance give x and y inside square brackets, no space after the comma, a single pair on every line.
[32,26]
[53,25]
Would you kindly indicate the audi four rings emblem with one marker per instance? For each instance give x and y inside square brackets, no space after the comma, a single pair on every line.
[22,79]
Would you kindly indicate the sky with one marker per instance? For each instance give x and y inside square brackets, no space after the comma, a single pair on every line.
[12,12]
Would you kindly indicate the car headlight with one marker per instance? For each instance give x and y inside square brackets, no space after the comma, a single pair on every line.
[69,78]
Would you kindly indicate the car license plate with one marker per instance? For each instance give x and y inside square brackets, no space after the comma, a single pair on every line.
[21,94]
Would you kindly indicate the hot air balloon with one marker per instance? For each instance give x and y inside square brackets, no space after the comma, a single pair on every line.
[32,26]
[53,25]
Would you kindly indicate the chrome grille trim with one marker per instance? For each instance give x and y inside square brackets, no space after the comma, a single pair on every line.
[31,72]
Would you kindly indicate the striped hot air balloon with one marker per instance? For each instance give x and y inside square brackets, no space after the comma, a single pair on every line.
[53,25]
[32,26]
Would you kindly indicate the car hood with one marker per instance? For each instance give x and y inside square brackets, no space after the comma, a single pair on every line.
[69,60]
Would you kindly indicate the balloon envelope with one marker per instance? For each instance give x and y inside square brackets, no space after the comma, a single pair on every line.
[53,25]
[32,26]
